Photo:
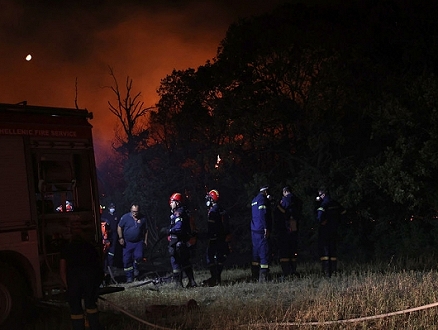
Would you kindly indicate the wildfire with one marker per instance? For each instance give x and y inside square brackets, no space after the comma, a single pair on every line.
[218,161]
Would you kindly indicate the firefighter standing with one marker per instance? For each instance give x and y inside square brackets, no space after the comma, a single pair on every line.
[219,235]
[261,226]
[81,273]
[132,234]
[286,218]
[110,221]
[329,214]
[179,234]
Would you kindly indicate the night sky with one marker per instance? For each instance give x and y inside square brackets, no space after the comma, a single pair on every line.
[144,40]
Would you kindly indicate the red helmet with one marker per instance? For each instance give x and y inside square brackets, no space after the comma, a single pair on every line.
[176,197]
[214,194]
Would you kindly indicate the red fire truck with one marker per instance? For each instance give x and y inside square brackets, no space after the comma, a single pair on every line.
[47,182]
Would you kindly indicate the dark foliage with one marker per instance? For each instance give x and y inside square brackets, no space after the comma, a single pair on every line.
[343,96]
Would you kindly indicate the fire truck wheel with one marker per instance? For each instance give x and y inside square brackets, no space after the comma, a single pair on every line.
[12,298]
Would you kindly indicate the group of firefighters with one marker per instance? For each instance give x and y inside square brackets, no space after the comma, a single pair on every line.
[128,235]
[286,216]
[82,276]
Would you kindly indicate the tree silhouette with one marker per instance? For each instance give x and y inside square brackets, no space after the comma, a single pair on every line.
[304,96]
[131,113]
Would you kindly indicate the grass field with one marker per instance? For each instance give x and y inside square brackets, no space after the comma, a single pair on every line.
[305,302]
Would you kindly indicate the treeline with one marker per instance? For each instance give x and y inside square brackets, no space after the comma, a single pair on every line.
[343,96]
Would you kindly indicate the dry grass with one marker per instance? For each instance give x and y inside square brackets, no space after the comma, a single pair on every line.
[291,304]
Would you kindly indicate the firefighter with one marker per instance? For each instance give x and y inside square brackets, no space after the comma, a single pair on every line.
[110,221]
[179,237]
[329,214]
[219,236]
[132,235]
[287,213]
[105,240]
[81,273]
[261,226]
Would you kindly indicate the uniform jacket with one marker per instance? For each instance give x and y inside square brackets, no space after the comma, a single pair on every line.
[330,212]
[111,221]
[81,257]
[133,231]
[179,230]
[218,225]
[261,214]
[283,212]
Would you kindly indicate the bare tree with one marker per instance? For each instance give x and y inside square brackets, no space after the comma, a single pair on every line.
[129,110]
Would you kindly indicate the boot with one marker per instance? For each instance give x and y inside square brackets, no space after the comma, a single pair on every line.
[212,281]
[219,269]
[263,275]
[255,271]
[93,320]
[191,277]
[293,268]
[177,279]
[333,265]
[285,266]
[129,273]
[325,263]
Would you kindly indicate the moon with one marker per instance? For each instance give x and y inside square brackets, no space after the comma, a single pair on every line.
[28,57]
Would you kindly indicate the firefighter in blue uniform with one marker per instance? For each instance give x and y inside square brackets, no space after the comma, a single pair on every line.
[219,235]
[110,220]
[132,235]
[261,226]
[179,237]
[286,219]
[329,214]
[81,273]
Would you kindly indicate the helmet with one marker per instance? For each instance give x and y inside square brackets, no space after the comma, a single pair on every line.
[214,194]
[212,197]
[176,197]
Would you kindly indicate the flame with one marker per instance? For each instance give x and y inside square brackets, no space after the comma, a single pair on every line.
[218,161]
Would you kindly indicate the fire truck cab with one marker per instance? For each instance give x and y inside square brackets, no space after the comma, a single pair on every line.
[47,183]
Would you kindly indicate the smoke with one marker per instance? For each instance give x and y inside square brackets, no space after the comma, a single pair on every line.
[78,41]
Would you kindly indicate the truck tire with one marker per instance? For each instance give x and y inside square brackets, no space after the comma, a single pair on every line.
[12,298]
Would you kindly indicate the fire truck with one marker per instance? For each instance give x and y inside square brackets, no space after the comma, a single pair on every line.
[47,183]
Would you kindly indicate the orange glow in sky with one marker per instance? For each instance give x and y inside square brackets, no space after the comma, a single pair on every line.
[71,42]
